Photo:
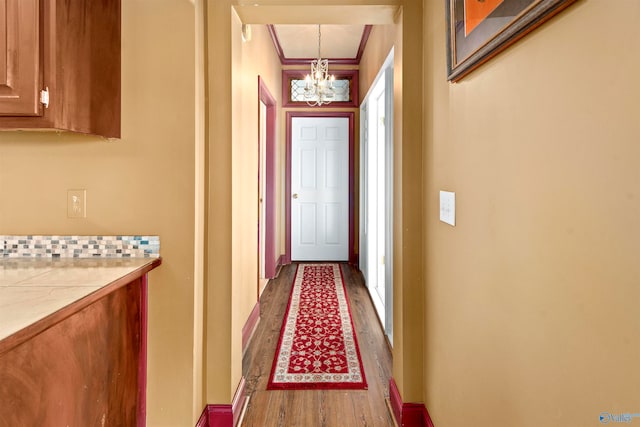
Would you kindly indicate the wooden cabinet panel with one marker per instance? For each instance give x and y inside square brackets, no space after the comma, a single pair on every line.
[74,50]
[87,370]
[20,71]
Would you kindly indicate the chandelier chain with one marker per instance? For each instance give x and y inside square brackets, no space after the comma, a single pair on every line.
[319,37]
[319,89]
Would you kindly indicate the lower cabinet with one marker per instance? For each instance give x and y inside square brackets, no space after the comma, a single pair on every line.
[89,369]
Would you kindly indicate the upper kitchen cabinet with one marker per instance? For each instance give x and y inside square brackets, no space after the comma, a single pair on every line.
[60,65]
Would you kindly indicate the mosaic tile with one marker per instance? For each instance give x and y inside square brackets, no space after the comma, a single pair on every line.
[79,246]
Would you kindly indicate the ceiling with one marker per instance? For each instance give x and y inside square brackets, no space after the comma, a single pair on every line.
[295,28]
[297,42]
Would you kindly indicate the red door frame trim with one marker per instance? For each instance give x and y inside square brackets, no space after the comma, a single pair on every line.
[270,179]
[287,193]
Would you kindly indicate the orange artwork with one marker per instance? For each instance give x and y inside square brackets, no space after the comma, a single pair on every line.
[475,11]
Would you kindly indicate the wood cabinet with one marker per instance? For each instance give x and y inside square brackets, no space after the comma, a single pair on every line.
[60,65]
[84,364]
[20,57]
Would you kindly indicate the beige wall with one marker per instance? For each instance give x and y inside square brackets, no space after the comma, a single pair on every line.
[531,300]
[231,282]
[250,59]
[218,386]
[141,184]
[404,36]
[381,40]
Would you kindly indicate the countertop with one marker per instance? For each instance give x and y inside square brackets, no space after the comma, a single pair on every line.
[36,293]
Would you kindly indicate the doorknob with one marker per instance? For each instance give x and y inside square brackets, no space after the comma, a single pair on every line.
[295,195]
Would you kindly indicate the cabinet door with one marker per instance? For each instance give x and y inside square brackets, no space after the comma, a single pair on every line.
[19,58]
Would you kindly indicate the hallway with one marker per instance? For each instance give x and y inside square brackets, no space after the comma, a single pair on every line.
[311,408]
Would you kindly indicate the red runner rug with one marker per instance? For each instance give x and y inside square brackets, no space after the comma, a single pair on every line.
[318,348]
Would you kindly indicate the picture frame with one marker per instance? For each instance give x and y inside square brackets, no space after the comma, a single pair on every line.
[477,30]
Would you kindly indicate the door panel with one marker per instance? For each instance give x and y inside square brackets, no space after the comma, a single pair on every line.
[267,177]
[308,174]
[306,223]
[19,58]
[332,171]
[320,189]
[262,196]
[332,223]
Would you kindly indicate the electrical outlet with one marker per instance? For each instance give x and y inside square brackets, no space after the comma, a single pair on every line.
[76,203]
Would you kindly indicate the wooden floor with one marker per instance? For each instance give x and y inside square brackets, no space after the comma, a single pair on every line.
[317,408]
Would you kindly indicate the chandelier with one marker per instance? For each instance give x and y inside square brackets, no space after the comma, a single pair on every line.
[318,89]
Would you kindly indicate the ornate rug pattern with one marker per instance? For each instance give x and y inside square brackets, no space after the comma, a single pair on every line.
[317,348]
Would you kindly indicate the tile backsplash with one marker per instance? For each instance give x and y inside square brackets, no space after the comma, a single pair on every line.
[79,246]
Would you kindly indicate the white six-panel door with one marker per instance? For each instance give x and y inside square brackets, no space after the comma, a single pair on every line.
[320,189]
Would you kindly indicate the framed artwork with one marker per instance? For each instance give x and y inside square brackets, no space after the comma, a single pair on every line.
[477,30]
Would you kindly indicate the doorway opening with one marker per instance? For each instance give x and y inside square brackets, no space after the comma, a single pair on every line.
[376,194]
[267,261]
[319,203]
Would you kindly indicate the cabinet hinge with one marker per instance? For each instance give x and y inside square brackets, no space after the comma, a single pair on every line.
[44,97]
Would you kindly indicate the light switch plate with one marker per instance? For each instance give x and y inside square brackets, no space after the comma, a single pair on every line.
[76,203]
[448,207]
